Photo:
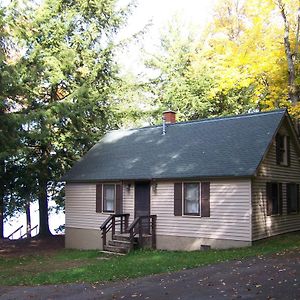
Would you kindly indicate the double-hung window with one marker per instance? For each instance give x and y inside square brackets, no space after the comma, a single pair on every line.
[274,198]
[292,195]
[109,197]
[282,150]
[191,199]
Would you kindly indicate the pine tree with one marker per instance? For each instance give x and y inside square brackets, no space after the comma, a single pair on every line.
[67,74]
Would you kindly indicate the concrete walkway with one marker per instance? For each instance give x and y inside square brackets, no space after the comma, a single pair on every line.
[271,277]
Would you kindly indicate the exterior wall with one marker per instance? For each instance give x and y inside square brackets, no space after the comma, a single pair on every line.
[263,225]
[230,215]
[82,220]
[229,224]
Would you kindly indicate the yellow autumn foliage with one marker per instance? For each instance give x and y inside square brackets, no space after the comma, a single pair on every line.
[244,42]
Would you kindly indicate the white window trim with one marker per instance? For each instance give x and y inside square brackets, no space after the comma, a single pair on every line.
[284,161]
[115,200]
[183,199]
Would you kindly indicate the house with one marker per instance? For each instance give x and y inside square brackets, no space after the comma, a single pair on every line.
[220,182]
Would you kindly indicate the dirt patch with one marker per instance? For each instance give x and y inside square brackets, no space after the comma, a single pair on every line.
[31,246]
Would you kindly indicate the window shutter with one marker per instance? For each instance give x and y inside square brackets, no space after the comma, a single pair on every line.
[119,198]
[298,199]
[178,199]
[288,197]
[99,198]
[205,199]
[280,198]
[269,198]
[278,150]
[288,150]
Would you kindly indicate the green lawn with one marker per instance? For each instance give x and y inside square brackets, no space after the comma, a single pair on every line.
[68,266]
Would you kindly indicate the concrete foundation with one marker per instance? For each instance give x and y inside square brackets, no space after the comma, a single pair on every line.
[167,242]
[78,238]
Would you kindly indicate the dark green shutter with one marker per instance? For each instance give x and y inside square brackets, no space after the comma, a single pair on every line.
[288,150]
[280,198]
[278,150]
[288,197]
[298,199]
[269,198]
[178,199]
[119,198]
[205,199]
[99,198]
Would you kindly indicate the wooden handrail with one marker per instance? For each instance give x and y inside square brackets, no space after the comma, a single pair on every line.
[111,222]
[29,231]
[104,224]
[133,224]
[137,228]
[15,231]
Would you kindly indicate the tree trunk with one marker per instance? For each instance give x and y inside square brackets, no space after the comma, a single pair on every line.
[28,218]
[43,209]
[294,93]
[1,215]
[2,192]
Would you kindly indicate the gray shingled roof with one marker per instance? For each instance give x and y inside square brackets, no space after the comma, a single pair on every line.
[219,147]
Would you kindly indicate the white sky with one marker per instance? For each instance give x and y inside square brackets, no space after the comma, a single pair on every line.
[196,13]
[160,12]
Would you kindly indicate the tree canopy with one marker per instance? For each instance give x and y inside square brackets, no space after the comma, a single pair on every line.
[62,89]
[246,59]
[64,56]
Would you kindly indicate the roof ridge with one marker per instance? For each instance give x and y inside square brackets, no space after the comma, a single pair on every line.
[245,115]
[212,119]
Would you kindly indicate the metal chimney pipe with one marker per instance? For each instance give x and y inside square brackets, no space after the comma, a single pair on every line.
[163,125]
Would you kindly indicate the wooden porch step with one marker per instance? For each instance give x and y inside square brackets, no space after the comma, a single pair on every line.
[121,236]
[119,243]
[116,249]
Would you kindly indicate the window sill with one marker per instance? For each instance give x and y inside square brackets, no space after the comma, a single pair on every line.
[283,165]
[191,216]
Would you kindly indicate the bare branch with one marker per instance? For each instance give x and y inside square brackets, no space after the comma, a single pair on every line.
[297,33]
[293,89]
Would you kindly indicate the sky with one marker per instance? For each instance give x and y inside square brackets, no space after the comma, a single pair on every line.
[159,13]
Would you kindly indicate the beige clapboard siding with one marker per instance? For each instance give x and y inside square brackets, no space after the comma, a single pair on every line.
[230,212]
[263,225]
[128,201]
[81,206]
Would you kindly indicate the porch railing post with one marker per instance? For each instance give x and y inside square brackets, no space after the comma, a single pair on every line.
[131,239]
[153,231]
[104,236]
[141,232]
[121,224]
[113,230]
[126,222]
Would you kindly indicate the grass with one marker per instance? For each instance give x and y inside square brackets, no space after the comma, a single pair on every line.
[70,266]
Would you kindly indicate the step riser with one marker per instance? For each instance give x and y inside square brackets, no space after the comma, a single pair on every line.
[121,238]
[116,249]
[116,243]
